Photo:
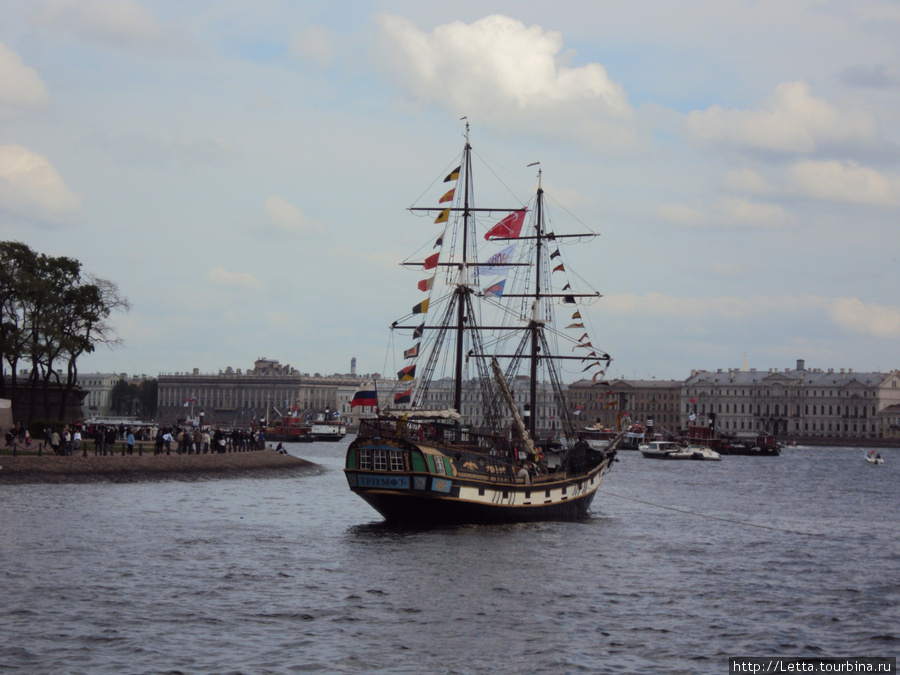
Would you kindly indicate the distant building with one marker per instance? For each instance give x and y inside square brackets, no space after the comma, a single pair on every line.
[890,422]
[792,402]
[269,389]
[617,403]
[99,387]
[797,402]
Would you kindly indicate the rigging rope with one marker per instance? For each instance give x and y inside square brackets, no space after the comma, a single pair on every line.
[706,515]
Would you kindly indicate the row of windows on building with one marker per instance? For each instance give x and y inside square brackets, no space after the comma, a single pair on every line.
[835,427]
[778,409]
[806,393]
[247,398]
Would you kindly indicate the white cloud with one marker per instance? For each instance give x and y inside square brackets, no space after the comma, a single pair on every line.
[287,217]
[32,189]
[845,182]
[790,121]
[497,69]
[119,23]
[682,214]
[731,308]
[21,88]
[855,316]
[850,315]
[313,44]
[223,277]
[726,212]
[748,180]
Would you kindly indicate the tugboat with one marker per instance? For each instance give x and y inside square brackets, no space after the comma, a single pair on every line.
[493,455]
[290,429]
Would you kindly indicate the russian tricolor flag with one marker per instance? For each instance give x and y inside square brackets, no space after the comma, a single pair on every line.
[369,398]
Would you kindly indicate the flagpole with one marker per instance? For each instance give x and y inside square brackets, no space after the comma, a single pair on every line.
[377,401]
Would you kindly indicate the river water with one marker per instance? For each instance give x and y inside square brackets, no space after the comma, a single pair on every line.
[797,555]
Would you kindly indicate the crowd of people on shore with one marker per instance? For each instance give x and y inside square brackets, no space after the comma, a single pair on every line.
[102,440]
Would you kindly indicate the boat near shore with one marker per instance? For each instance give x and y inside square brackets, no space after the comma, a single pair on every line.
[288,429]
[423,465]
[326,430]
[752,445]
[665,450]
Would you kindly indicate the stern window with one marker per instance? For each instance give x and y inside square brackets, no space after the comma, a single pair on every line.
[380,460]
[365,459]
[396,460]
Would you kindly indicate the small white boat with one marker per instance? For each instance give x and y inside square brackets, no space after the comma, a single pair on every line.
[873,457]
[665,450]
[704,452]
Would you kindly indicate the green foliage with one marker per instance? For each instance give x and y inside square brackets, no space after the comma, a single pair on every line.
[128,398]
[49,316]
[36,427]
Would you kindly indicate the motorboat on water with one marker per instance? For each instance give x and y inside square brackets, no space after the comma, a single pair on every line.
[324,429]
[704,452]
[666,450]
[873,457]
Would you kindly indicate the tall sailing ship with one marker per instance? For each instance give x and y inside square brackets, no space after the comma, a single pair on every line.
[507,448]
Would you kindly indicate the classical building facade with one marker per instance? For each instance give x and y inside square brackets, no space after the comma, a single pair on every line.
[890,422]
[798,402]
[616,403]
[791,402]
[241,399]
[99,388]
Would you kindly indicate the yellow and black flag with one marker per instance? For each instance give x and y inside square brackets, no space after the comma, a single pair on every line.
[453,175]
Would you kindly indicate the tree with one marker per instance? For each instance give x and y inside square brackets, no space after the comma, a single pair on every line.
[49,317]
[148,395]
[120,398]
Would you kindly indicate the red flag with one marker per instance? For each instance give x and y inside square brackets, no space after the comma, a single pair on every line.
[508,228]
[426,284]
[431,261]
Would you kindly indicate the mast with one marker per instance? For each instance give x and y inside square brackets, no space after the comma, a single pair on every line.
[462,288]
[535,324]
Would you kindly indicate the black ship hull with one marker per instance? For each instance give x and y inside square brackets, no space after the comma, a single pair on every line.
[415,483]
[430,510]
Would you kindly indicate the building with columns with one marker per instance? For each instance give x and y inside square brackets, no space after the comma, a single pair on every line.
[616,403]
[796,402]
[244,398]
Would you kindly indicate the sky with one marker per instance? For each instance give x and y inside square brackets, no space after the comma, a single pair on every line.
[242,171]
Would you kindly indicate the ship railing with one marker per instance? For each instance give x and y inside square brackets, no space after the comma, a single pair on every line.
[436,432]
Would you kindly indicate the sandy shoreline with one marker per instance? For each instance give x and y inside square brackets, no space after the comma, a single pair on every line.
[147,467]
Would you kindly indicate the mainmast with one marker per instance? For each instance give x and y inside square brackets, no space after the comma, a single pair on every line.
[462,287]
[536,325]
